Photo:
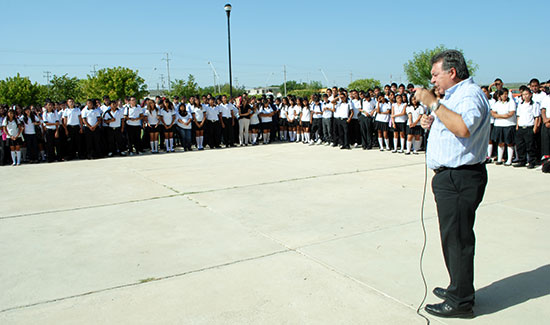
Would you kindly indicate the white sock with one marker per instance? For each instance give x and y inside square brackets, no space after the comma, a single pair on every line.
[152,146]
[409,146]
[166,145]
[43,154]
[198,140]
[18,154]
[489,150]
[417,145]
[395,141]
[402,143]
[500,153]
[13,159]
[268,136]
[156,146]
[387,142]
[253,137]
[171,141]
[381,143]
[510,154]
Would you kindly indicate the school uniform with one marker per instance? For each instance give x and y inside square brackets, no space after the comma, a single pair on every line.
[114,130]
[227,117]
[527,115]
[327,118]
[134,127]
[504,130]
[381,120]
[152,121]
[184,129]
[415,113]
[365,123]
[293,112]
[93,137]
[52,142]
[354,129]
[317,121]
[254,120]
[30,137]
[71,118]
[305,117]
[168,116]
[341,115]
[213,126]
[266,120]
[12,130]
[400,121]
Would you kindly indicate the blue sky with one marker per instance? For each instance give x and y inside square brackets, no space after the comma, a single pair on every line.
[366,39]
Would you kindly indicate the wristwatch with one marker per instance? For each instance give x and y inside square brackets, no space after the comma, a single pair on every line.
[435,106]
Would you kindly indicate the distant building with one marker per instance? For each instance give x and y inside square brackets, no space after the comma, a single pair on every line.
[274,91]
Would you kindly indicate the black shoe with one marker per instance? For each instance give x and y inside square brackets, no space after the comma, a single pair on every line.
[442,294]
[499,163]
[445,310]
[519,164]
[530,166]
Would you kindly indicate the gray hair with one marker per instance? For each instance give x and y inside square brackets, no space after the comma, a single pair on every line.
[453,59]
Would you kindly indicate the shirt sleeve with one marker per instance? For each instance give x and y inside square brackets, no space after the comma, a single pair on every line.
[471,109]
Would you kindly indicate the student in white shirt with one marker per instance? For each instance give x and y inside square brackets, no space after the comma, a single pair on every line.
[415,111]
[328,111]
[343,114]
[152,125]
[283,119]
[354,129]
[292,118]
[184,120]
[51,124]
[305,120]
[266,117]
[528,122]
[213,127]
[485,90]
[317,119]
[30,122]
[91,117]
[133,114]
[227,121]
[383,111]
[198,111]
[254,122]
[399,121]
[504,112]
[72,125]
[13,130]
[167,118]
[114,121]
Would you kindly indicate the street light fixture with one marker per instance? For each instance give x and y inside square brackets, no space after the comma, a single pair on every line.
[227,8]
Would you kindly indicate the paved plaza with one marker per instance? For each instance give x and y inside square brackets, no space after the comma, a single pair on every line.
[276,234]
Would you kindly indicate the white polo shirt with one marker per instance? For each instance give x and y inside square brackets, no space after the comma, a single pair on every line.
[185,118]
[266,110]
[398,109]
[326,112]
[385,107]
[504,108]
[225,109]
[343,109]
[527,112]
[133,112]
[254,117]
[50,117]
[71,115]
[152,117]
[12,127]
[29,126]
[167,116]
[545,103]
[199,113]
[293,112]
[283,112]
[539,97]
[317,110]
[91,116]
[118,115]
[212,113]
[415,113]
[356,106]
[306,114]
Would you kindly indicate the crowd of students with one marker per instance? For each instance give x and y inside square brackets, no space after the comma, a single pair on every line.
[387,118]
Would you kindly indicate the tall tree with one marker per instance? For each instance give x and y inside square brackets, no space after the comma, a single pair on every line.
[117,82]
[63,87]
[19,91]
[364,84]
[187,88]
[418,69]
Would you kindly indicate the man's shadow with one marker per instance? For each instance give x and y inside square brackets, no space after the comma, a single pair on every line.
[513,290]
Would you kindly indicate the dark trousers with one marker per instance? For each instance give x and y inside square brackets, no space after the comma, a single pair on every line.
[134,138]
[458,193]
[354,135]
[73,141]
[31,142]
[52,146]
[367,130]
[525,142]
[327,129]
[317,129]
[114,140]
[228,132]
[335,128]
[213,133]
[343,132]
[185,137]
[545,140]
[93,142]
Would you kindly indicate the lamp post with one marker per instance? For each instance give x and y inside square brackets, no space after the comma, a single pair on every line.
[227,8]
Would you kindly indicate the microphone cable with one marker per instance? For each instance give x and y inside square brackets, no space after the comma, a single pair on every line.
[425,240]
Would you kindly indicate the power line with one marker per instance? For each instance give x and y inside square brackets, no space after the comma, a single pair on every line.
[47,76]
[168,69]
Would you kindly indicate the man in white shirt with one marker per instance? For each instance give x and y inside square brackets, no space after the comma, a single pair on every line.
[366,120]
[213,127]
[528,121]
[227,121]
[354,132]
[328,112]
[343,115]
[72,123]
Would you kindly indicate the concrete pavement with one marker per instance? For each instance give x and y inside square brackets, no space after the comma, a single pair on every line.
[283,233]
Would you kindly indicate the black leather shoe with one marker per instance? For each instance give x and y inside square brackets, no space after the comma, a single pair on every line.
[445,310]
[442,294]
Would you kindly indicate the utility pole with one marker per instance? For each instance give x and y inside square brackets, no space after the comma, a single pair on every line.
[168,70]
[47,76]
[94,72]
[284,70]
[216,78]
[162,81]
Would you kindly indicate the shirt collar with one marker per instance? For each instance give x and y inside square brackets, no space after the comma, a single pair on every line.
[453,89]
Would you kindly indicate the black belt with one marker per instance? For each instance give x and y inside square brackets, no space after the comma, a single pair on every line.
[467,167]
[526,127]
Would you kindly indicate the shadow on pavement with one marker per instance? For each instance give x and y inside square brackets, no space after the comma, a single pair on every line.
[513,290]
